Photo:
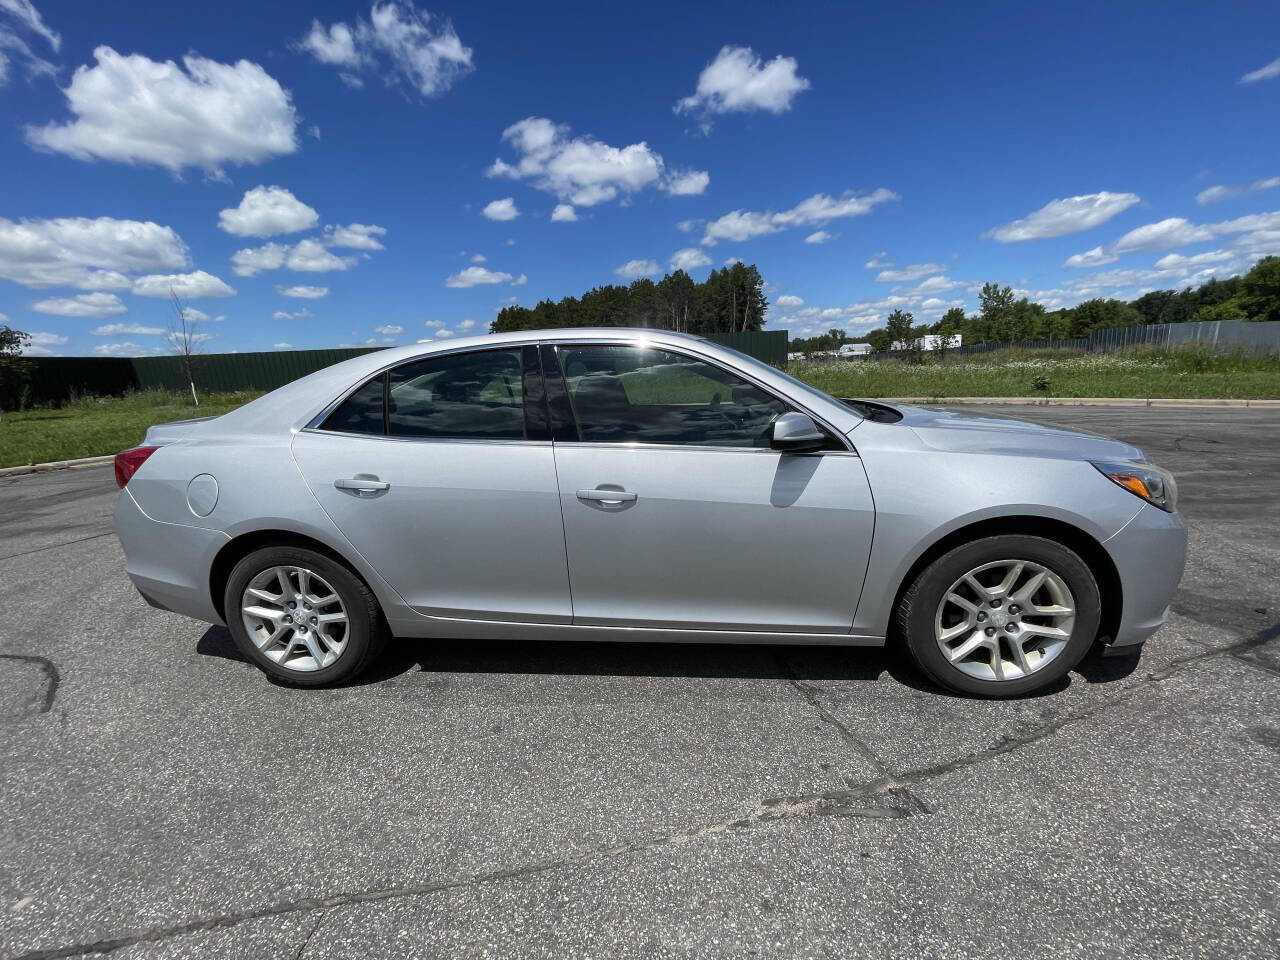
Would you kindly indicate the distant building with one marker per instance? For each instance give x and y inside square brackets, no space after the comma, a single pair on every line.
[855,349]
[931,341]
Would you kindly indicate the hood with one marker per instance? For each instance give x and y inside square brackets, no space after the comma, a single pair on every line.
[966,433]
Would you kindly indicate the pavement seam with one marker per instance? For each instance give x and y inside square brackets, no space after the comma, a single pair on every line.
[897,803]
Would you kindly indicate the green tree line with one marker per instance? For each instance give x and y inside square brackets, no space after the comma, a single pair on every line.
[731,299]
[1005,318]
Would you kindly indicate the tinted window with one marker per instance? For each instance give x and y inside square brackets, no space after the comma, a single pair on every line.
[463,395]
[627,394]
[361,412]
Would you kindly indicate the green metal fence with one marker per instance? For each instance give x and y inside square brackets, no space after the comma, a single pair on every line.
[767,345]
[50,381]
[224,372]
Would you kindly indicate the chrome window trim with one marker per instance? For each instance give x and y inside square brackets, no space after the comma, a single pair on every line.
[698,448]
[380,436]
[715,363]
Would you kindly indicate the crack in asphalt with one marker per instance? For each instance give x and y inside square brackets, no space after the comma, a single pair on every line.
[51,676]
[811,692]
[311,933]
[887,797]
[55,546]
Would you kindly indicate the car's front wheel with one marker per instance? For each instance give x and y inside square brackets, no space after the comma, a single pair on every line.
[301,616]
[1001,616]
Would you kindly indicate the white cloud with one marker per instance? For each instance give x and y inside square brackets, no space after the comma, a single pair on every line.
[1214,194]
[686,183]
[817,210]
[283,345]
[479,276]
[302,314]
[880,260]
[429,58]
[911,272]
[1090,258]
[478,258]
[584,171]
[935,284]
[11,44]
[818,236]
[335,46]
[732,260]
[389,330]
[116,349]
[25,13]
[252,261]
[689,226]
[189,286]
[355,236]
[787,300]
[564,213]
[126,329]
[1269,72]
[303,292]
[310,256]
[635,269]
[1171,232]
[43,339]
[1173,261]
[134,110]
[266,212]
[466,324]
[91,254]
[689,258]
[444,334]
[1068,215]
[504,209]
[81,305]
[739,80]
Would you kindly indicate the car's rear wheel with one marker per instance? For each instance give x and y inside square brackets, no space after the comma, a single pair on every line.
[1001,616]
[302,617]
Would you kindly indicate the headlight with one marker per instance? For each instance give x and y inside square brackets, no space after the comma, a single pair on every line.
[1153,484]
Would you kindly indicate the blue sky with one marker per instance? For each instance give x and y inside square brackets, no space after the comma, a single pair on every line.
[340,173]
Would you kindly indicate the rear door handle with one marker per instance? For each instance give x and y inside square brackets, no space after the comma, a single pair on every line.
[607,496]
[362,485]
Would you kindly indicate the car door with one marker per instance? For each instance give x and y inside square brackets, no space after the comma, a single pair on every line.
[441,473]
[677,513]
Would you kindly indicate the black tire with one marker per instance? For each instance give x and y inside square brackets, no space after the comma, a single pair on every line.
[914,618]
[366,630]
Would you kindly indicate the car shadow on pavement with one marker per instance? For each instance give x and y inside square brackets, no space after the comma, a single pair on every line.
[802,664]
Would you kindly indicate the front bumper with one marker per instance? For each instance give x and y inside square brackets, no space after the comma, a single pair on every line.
[169,563]
[1150,552]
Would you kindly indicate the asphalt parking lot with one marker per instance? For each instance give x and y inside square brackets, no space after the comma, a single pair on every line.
[159,797]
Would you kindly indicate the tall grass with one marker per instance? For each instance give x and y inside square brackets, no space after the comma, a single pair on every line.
[95,426]
[1181,373]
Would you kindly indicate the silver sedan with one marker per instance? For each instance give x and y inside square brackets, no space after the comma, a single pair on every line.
[616,484]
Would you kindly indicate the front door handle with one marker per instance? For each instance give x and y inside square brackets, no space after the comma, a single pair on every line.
[364,485]
[607,496]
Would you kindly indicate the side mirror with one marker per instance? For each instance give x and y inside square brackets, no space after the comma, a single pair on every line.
[796,433]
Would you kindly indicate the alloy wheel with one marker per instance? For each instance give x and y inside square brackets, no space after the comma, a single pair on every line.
[1005,620]
[294,617]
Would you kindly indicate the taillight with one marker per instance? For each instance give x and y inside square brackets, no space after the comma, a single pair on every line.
[128,462]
